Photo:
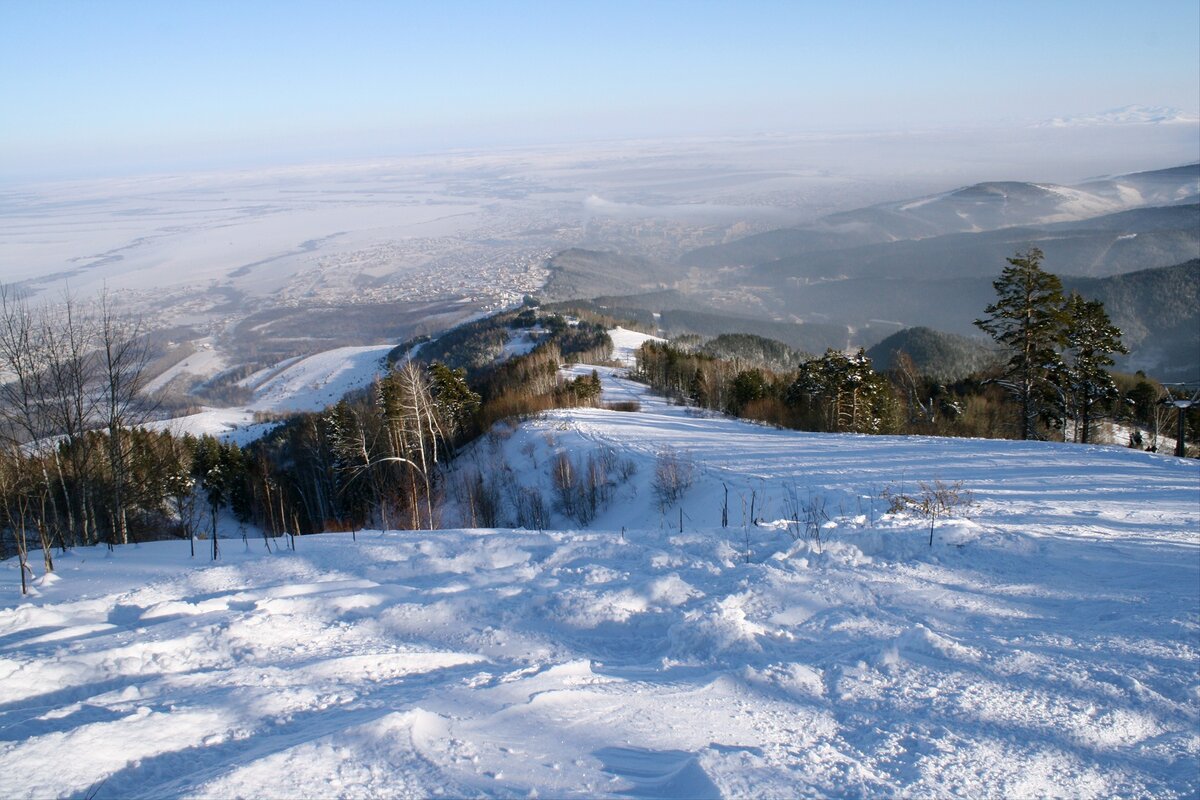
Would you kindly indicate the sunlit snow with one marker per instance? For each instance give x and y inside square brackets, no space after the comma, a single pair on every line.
[1047,644]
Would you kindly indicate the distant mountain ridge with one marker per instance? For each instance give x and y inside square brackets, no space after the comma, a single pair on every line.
[1108,245]
[978,208]
[1125,115]
[857,277]
[1158,312]
[577,272]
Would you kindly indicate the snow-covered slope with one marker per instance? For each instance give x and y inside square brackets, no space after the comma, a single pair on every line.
[1046,646]
[626,343]
[305,384]
[317,381]
[1003,204]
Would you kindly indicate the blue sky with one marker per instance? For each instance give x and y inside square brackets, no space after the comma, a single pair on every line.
[121,83]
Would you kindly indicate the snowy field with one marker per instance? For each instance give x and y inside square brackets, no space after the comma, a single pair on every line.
[1047,645]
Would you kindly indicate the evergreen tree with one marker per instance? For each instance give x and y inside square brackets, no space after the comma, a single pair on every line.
[207,467]
[456,403]
[1091,340]
[1028,319]
[846,393]
[698,389]
[748,385]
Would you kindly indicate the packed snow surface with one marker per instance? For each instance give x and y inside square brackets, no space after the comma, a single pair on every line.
[1047,645]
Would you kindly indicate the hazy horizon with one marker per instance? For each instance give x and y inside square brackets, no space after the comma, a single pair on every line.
[222,166]
[122,88]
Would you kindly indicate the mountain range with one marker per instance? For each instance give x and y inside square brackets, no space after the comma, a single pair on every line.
[971,209]
[858,276]
[1125,115]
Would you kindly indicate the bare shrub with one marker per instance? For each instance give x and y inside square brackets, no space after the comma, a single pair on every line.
[532,512]
[480,499]
[584,488]
[565,478]
[618,469]
[806,514]
[596,488]
[933,502]
[529,449]
[674,474]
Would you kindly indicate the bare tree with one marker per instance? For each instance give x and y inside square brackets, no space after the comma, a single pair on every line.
[22,405]
[123,360]
[69,378]
[15,506]
[414,433]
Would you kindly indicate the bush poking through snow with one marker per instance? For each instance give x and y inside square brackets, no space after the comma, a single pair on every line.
[480,500]
[805,515]
[584,489]
[673,476]
[531,508]
[935,500]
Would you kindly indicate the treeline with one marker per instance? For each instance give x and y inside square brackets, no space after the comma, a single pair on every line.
[78,467]
[835,392]
[72,469]
[377,458]
[479,345]
[1059,347]
[754,350]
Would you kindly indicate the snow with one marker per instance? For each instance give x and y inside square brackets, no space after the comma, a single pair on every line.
[626,343]
[296,384]
[320,380]
[203,363]
[1046,645]
[231,424]
[520,342]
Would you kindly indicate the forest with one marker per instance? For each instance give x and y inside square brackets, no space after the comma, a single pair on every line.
[81,465]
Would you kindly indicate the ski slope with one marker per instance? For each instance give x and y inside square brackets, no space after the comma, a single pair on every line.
[315,382]
[1046,646]
[295,385]
[320,380]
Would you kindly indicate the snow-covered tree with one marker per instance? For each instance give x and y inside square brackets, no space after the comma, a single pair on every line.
[850,395]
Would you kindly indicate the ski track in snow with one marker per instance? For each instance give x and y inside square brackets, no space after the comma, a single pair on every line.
[1046,646]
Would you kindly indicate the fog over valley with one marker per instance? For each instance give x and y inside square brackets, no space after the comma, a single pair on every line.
[475,230]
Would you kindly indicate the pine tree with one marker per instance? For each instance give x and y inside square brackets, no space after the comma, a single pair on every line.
[847,393]
[1091,339]
[456,403]
[1029,321]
